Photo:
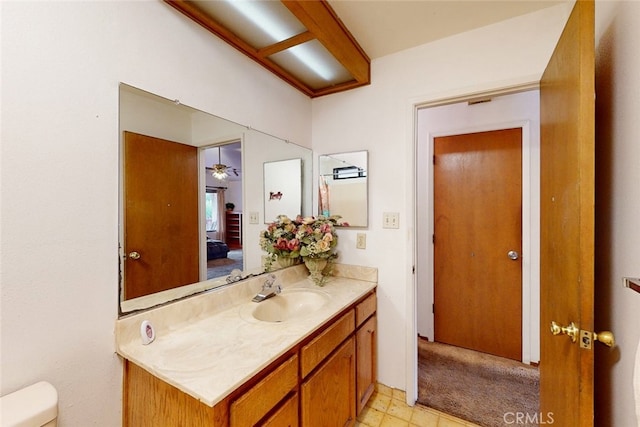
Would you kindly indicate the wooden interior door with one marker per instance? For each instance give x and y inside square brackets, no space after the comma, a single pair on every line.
[567,114]
[478,223]
[160,215]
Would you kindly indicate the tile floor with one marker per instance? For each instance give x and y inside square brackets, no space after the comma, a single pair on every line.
[388,408]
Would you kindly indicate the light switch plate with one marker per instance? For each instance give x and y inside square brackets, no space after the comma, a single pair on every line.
[361,241]
[390,220]
[254,217]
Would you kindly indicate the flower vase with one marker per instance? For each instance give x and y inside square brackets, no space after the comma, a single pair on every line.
[287,261]
[315,267]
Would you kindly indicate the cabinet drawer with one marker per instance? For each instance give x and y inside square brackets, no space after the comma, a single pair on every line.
[286,415]
[249,408]
[366,308]
[322,345]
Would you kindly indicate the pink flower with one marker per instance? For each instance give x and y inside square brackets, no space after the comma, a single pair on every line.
[281,243]
[293,244]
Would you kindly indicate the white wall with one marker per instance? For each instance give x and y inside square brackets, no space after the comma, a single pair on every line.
[61,66]
[617,207]
[507,111]
[492,57]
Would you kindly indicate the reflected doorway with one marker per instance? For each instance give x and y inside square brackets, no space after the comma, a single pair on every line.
[223,208]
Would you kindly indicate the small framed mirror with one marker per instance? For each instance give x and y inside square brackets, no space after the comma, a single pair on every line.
[343,187]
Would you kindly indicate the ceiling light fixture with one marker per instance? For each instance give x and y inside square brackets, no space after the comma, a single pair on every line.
[303,42]
[268,22]
[220,170]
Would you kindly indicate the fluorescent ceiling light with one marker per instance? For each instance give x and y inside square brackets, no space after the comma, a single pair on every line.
[264,17]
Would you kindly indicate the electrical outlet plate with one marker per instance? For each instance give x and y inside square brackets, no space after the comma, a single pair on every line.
[390,220]
[361,241]
[254,217]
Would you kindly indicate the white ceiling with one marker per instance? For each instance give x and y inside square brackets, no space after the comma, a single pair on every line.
[383,27]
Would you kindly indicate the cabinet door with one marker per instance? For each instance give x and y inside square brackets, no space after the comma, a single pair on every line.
[328,395]
[366,363]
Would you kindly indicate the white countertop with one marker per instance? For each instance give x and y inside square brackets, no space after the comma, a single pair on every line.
[209,345]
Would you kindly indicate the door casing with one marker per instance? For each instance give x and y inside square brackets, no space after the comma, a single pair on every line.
[530,162]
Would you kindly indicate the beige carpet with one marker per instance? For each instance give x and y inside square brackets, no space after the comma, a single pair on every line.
[477,387]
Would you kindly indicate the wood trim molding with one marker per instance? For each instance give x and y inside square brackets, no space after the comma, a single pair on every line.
[322,21]
[322,24]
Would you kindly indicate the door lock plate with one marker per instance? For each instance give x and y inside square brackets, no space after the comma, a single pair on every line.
[585,339]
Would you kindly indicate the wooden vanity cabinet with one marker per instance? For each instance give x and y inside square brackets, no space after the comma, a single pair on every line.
[324,381]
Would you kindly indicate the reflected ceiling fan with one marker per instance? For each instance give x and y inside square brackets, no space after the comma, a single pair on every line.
[221,171]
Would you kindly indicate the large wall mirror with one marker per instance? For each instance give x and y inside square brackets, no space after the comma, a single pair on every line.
[192,202]
[343,187]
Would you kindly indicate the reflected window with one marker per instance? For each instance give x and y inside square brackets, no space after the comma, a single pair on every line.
[211,209]
[349,172]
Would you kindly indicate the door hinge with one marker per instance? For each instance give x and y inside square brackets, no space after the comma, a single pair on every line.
[413,269]
[434,159]
[433,308]
[433,238]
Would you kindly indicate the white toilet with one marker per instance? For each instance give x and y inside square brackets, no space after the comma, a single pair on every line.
[33,406]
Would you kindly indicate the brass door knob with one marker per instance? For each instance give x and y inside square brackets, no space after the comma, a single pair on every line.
[586,337]
[605,337]
[571,330]
[134,255]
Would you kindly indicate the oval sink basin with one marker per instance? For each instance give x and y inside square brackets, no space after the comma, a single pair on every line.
[289,304]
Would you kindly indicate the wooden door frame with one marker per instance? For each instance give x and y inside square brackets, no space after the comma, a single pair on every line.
[411,379]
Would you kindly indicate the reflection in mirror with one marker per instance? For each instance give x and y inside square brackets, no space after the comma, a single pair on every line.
[343,187]
[219,239]
[223,209]
[282,189]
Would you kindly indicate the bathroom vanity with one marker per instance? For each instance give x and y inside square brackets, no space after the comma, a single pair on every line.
[305,357]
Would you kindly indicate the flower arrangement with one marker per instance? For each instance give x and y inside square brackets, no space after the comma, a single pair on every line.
[279,239]
[318,236]
[306,237]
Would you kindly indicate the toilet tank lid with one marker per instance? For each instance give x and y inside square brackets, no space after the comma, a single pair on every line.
[33,405]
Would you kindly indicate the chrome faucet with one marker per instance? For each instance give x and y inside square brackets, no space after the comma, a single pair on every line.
[269,289]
